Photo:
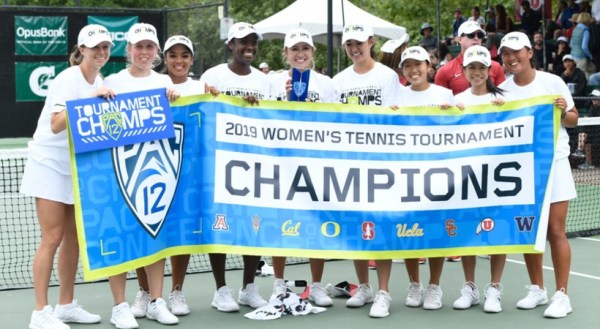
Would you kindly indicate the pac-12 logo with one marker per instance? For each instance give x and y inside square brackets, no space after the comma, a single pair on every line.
[368,230]
[148,174]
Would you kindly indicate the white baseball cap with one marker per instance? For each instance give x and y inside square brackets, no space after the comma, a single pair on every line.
[263,65]
[295,36]
[391,45]
[179,40]
[240,30]
[93,34]
[562,39]
[358,32]
[478,54]
[515,41]
[469,27]
[142,31]
[415,52]
[568,57]
[595,92]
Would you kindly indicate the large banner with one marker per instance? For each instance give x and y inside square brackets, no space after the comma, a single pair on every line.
[40,35]
[306,179]
[32,79]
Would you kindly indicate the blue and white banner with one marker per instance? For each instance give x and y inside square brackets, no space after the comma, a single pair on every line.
[129,118]
[306,179]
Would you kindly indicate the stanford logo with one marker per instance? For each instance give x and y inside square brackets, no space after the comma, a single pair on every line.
[148,174]
[368,229]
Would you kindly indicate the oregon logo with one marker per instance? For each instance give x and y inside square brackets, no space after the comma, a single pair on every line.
[148,174]
[40,78]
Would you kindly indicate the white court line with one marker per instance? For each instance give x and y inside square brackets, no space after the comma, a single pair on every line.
[593,277]
[589,239]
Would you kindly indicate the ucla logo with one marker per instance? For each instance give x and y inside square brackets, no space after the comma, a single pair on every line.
[113,124]
[299,87]
[148,174]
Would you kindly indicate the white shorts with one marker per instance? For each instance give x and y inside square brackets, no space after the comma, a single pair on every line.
[40,181]
[563,186]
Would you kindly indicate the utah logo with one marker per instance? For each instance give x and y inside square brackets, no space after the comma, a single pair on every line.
[148,174]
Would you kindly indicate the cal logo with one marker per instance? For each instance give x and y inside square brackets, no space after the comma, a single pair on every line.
[368,230]
[290,229]
[113,124]
[148,174]
[450,227]
[220,223]
[525,223]
[487,224]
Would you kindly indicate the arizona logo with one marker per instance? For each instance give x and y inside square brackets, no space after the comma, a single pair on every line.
[148,174]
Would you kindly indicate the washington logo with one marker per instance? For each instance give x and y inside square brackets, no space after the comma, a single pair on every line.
[148,174]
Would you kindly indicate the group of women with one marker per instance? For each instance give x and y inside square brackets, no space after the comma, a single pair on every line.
[49,162]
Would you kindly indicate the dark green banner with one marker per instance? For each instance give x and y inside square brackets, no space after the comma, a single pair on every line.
[117,26]
[32,79]
[41,35]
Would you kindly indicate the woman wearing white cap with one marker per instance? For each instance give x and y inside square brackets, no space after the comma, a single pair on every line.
[178,59]
[299,50]
[415,63]
[515,49]
[48,162]
[239,79]
[391,53]
[477,63]
[142,54]
[366,82]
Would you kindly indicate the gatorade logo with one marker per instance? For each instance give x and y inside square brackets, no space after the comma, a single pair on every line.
[40,80]
[40,33]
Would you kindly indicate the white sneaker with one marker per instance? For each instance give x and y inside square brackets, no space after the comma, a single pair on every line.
[363,295]
[415,295]
[45,319]
[75,313]
[178,304]
[223,300]
[535,297]
[122,317]
[560,306]
[469,296]
[492,299]
[140,304]
[157,310]
[251,297]
[319,295]
[279,288]
[381,305]
[433,297]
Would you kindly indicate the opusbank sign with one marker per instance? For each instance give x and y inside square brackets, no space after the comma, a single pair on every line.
[41,35]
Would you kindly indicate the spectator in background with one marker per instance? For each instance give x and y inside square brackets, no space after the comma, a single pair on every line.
[574,78]
[580,44]
[562,49]
[541,52]
[568,12]
[491,18]
[476,16]
[592,132]
[264,68]
[594,80]
[504,22]
[492,42]
[458,20]
[569,32]
[428,41]
[451,75]
[530,19]
[584,6]
[391,53]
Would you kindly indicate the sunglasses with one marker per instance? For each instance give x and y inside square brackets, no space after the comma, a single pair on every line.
[479,35]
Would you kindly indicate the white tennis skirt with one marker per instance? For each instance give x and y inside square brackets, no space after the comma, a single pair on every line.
[563,186]
[41,181]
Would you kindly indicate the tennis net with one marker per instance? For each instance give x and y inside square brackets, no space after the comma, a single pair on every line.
[20,234]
